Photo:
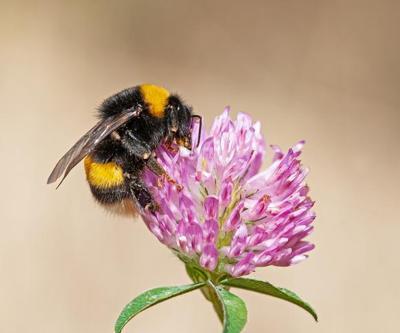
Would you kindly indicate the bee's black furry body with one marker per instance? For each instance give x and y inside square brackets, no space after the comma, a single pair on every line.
[114,168]
[149,129]
[112,153]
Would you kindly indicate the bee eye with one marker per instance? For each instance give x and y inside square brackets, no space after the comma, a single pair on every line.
[178,108]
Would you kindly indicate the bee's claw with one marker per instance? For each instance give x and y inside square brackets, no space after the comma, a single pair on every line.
[178,187]
[161,182]
[172,181]
[171,148]
[152,207]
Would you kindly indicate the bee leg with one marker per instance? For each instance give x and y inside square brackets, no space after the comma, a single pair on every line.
[171,148]
[142,196]
[157,169]
[169,141]
[136,146]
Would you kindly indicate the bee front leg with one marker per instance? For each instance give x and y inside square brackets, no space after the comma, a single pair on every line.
[158,170]
[169,142]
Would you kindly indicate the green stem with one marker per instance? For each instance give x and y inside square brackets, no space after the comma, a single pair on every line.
[197,275]
[216,304]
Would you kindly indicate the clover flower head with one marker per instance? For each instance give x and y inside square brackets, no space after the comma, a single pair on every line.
[230,218]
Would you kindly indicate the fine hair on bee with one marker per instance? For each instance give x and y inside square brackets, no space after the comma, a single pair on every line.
[118,149]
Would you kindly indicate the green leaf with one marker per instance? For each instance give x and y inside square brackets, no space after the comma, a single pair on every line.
[269,289]
[234,309]
[150,298]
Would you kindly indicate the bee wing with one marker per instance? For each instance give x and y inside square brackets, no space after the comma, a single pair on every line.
[88,142]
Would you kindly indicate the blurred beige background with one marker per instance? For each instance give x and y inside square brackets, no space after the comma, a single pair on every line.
[325,71]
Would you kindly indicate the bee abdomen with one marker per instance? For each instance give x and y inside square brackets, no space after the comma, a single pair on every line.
[103,175]
[108,186]
[106,180]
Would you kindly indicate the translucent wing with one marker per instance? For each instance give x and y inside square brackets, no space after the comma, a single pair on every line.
[88,142]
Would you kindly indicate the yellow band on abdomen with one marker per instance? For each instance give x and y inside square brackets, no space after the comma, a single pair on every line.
[103,175]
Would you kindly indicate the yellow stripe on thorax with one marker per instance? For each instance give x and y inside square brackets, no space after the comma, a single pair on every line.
[103,175]
[156,97]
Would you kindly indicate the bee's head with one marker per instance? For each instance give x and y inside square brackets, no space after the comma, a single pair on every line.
[179,119]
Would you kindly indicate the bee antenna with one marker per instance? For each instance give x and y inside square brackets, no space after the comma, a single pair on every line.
[200,127]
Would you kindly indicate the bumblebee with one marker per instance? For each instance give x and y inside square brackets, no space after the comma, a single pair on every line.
[116,151]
